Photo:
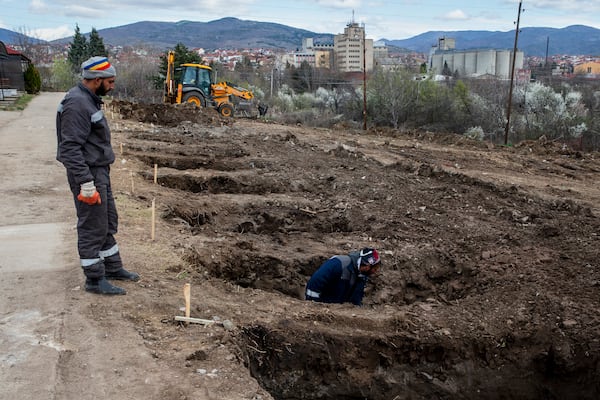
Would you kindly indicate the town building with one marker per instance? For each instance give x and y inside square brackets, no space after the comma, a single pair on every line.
[385,61]
[353,51]
[590,69]
[315,54]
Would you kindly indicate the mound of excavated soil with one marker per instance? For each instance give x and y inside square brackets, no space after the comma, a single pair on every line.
[490,285]
[167,114]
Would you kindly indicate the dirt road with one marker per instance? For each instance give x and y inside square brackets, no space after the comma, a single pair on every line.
[34,265]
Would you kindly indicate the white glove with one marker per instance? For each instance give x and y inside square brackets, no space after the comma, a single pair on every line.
[88,189]
[88,194]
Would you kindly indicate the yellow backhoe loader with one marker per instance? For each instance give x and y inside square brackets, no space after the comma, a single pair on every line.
[196,86]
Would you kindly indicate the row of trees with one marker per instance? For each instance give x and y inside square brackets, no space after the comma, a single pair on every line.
[65,72]
[81,48]
[565,111]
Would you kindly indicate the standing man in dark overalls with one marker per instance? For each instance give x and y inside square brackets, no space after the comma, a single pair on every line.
[85,150]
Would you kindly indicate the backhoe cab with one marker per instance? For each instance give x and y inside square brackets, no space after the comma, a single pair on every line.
[196,87]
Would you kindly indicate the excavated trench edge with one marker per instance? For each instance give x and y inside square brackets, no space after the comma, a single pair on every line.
[296,363]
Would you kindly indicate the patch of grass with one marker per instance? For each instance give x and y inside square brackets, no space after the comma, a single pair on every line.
[182,275]
[141,252]
[19,105]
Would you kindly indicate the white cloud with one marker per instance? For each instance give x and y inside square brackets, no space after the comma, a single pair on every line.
[51,33]
[589,5]
[456,15]
[340,3]
[160,6]
[38,7]
[82,11]
[146,9]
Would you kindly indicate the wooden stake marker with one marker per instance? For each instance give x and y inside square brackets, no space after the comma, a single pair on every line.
[132,186]
[153,218]
[187,289]
[155,173]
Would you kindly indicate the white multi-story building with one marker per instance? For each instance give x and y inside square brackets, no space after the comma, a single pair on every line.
[353,51]
[350,52]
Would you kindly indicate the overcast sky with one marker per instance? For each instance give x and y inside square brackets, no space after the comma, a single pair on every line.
[389,19]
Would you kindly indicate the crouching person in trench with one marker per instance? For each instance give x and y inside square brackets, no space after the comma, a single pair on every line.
[342,278]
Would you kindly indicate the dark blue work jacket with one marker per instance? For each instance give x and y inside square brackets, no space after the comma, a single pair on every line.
[337,281]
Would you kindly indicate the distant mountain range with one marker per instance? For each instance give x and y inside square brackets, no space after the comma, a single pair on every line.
[223,33]
[229,33]
[572,40]
[14,38]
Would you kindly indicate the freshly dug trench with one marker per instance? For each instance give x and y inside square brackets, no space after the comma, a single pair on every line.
[294,361]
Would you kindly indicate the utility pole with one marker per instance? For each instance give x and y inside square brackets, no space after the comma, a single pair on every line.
[547,48]
[364,45]
[512,76]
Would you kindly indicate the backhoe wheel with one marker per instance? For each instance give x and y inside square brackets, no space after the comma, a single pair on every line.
[193,98]
[226,110]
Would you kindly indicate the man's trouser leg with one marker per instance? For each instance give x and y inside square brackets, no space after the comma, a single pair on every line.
[92,229]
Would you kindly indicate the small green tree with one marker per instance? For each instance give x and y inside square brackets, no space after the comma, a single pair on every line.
[391,97]
[95,45]
[435,104]
[78,51]
[33,80]
[63,77]
[461,107]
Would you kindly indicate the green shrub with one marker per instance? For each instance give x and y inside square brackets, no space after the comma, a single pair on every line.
[33,80]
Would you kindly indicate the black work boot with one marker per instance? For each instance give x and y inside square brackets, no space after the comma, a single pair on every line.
[102,286]
[122,275]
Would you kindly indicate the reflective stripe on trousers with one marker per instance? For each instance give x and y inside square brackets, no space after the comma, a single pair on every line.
[110,252]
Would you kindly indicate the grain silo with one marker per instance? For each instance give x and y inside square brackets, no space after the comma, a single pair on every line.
[486,62]
[470,63]
[503,63]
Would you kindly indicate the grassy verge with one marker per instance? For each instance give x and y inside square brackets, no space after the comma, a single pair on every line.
[19,105]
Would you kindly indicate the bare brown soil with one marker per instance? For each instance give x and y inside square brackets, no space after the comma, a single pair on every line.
[490,285]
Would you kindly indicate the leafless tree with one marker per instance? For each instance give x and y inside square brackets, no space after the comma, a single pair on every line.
[32,47]
[135,78]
